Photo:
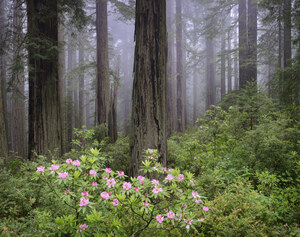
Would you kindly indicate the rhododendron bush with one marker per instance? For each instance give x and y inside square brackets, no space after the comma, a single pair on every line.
[100,201]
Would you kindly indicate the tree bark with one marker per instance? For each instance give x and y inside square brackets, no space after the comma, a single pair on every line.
[44,98]
[229,66]
[102,62]
[242,44]
[252,41]
[148,120]
[171,125]
[81,88]
[223,89]
[18,121]
[210,74]
[179,69]
[287,35]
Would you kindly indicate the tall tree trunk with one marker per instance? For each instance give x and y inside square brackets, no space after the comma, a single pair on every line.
[44,98]
[18,121]
[287,35]
[70,101]
[279,36]
[3,60]
[179,69]
[195,95]
[242,44]
[223,89]
[229,68]
[252,41]
[62,83]
[235,62]
[148,120]
[171,125]
[81,88]
[210,74]
[76,94]
[102,62]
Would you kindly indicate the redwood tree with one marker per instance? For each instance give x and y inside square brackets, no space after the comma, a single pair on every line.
[148,121]
[45,129]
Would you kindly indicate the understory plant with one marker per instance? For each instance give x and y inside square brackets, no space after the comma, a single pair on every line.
[99,201]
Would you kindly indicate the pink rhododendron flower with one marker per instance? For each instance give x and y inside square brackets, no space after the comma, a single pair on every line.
[150,151]
[145,203]
[160,218]
[85,194]
[188,221]
[94,184]
[166,210]
[63,175]
[179,216]
[40,169]
[169,177]
[84,202]
[146,194]
[164,169]
[109,193]
[157,190]
[180,177]
[85,174]
[108,170]
[155,182]
[187,226]
[151,157]
[170,170]
[179,190]
[121,173]
[67,192]
[197,201]
[76,163]
[126,186]
[93,172]
[141,178]
[110,183]
[115,202]
[105,195]
[205,208]
[104,178]
[171,215]
[155,168]
[83,227]
[201,220]
[68,161]
[137,189]
[54,168]
[183,205]
[195,194]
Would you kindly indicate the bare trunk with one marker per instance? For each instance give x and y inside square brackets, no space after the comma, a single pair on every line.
[229,68]
[223,90]
[179,69]
[210,74]
[44,98]
[81,89]
[287,35]
[148,121]
[18,121]
[102,62]
[242,44]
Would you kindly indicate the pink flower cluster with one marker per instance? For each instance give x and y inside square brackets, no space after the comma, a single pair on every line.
[63,175]
[105,195]
[108,170]
[160,218]
[115,202]
[126,186]
[40,169]
[110,182]
[93,172]
[68,161]
[83,227]
[121,173]
[157,190]
[54,168]
[76,163]
[84,202]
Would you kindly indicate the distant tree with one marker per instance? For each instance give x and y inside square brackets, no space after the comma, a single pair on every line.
[45,128]
[210,73]
[287,33]
[148,120]
[223,58]
[179,70]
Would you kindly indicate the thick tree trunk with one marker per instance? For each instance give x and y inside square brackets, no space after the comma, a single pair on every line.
[18,121]
[210,74]
[195,95]
[252,41]
[148,121]
[223,89]
[171,125]
[242,44]
[179,69]
[102,62]
[44,99]
[81,89]
[279,36]
[235,62]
